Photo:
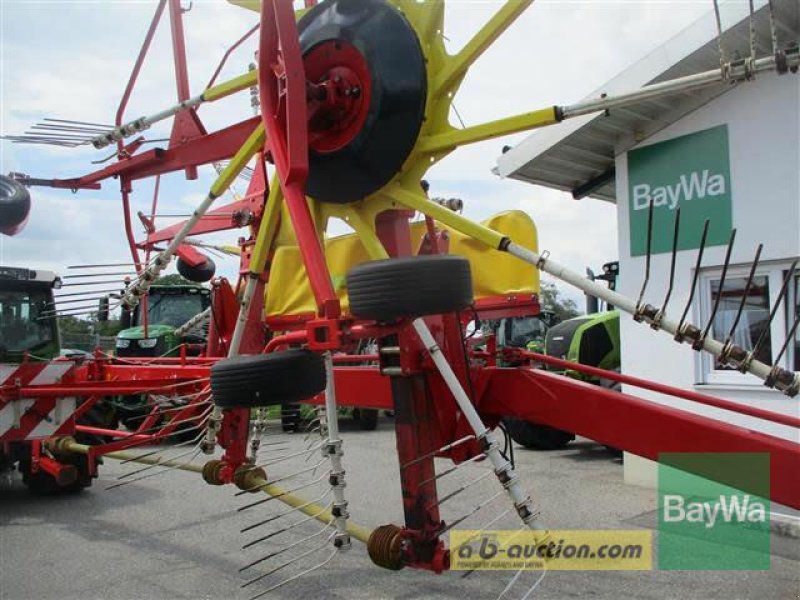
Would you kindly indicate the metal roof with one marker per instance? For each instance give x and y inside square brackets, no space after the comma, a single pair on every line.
[578,155]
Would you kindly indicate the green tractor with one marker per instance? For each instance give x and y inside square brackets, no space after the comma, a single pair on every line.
[176,315]
[592,339]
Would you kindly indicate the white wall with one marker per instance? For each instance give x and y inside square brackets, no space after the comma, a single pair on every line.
[764,129]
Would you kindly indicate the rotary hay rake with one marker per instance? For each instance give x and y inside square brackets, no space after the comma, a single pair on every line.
[355,98]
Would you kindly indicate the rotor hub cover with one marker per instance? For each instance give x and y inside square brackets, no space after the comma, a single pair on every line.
[366,88]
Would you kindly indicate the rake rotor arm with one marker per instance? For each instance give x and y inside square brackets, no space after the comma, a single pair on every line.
[786,381]
[309,508]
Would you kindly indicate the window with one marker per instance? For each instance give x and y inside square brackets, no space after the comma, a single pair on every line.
[753,328]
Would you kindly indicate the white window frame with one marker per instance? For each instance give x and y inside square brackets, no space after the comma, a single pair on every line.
[775,273]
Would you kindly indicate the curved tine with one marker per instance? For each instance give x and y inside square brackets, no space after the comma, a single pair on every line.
[279,479]
[444,448]
[457,491]
[762,338]
[514,580]
[161,459]
[195,452]
[745,294]
[289,456]
[789,336]
[696,277]
[483,504]
[648,257]
[485,527]
[195,440]
[298,576]
[204,416]
[286,564]
[287,512]
[284,530]
[285,492]
[722,278]
[675,233]
[454,468]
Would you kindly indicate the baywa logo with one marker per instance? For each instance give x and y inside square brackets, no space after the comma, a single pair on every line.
[713,512]
[728,509]
[697,185]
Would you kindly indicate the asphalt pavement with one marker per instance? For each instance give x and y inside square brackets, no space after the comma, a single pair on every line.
[172,536]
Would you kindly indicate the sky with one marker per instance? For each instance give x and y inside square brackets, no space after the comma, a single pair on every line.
[71,59]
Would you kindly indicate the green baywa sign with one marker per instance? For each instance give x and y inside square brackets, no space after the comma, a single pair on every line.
[691,172]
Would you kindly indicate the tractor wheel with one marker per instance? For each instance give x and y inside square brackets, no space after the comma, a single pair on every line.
[367,418]
[15,203]
[103,415]
[200,273]
[267,379]
[43,483]
[385,290]
[535,436]
[290,418]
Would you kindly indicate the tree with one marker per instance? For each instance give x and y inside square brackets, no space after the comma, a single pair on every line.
[551,299]
[173,279]
[69,325]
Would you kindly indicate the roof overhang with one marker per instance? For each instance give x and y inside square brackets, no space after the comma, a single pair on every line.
[578,155]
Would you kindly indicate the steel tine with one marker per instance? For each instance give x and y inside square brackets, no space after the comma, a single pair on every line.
[194,452]
[472,512]
[789,337]
[298,576]
[693,289]
[89,275]
[514,580]
[444,448]
[647,260]
[308,484]
[58,302]
[280,531]
[464,487]
[698,344]
[294,577]
[281,459]
[285,513]
[453,469]
[487,525]
[784,288]
[90,283]
[745,294]
[675,233]
[101,125]
[286,564]
[100,266]
[161,458]
[85,293]
[284,478]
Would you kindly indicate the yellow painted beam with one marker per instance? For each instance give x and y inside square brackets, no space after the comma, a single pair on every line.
[420,202]
[267,229]
[226,88]
[253,144]
[366,233]
[458,64]
[469,135]
[313,510]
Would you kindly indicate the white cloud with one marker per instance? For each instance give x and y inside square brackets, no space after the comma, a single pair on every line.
[74,63]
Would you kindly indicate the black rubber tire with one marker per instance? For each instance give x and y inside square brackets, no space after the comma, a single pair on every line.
[396,63]
[267,379]
[367,419]
[385,290]
[537,437]
[199,274]
[104,415]
[15,203]
[42,483]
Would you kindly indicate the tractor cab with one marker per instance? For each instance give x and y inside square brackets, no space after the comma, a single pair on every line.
[170,311]
[28,326]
